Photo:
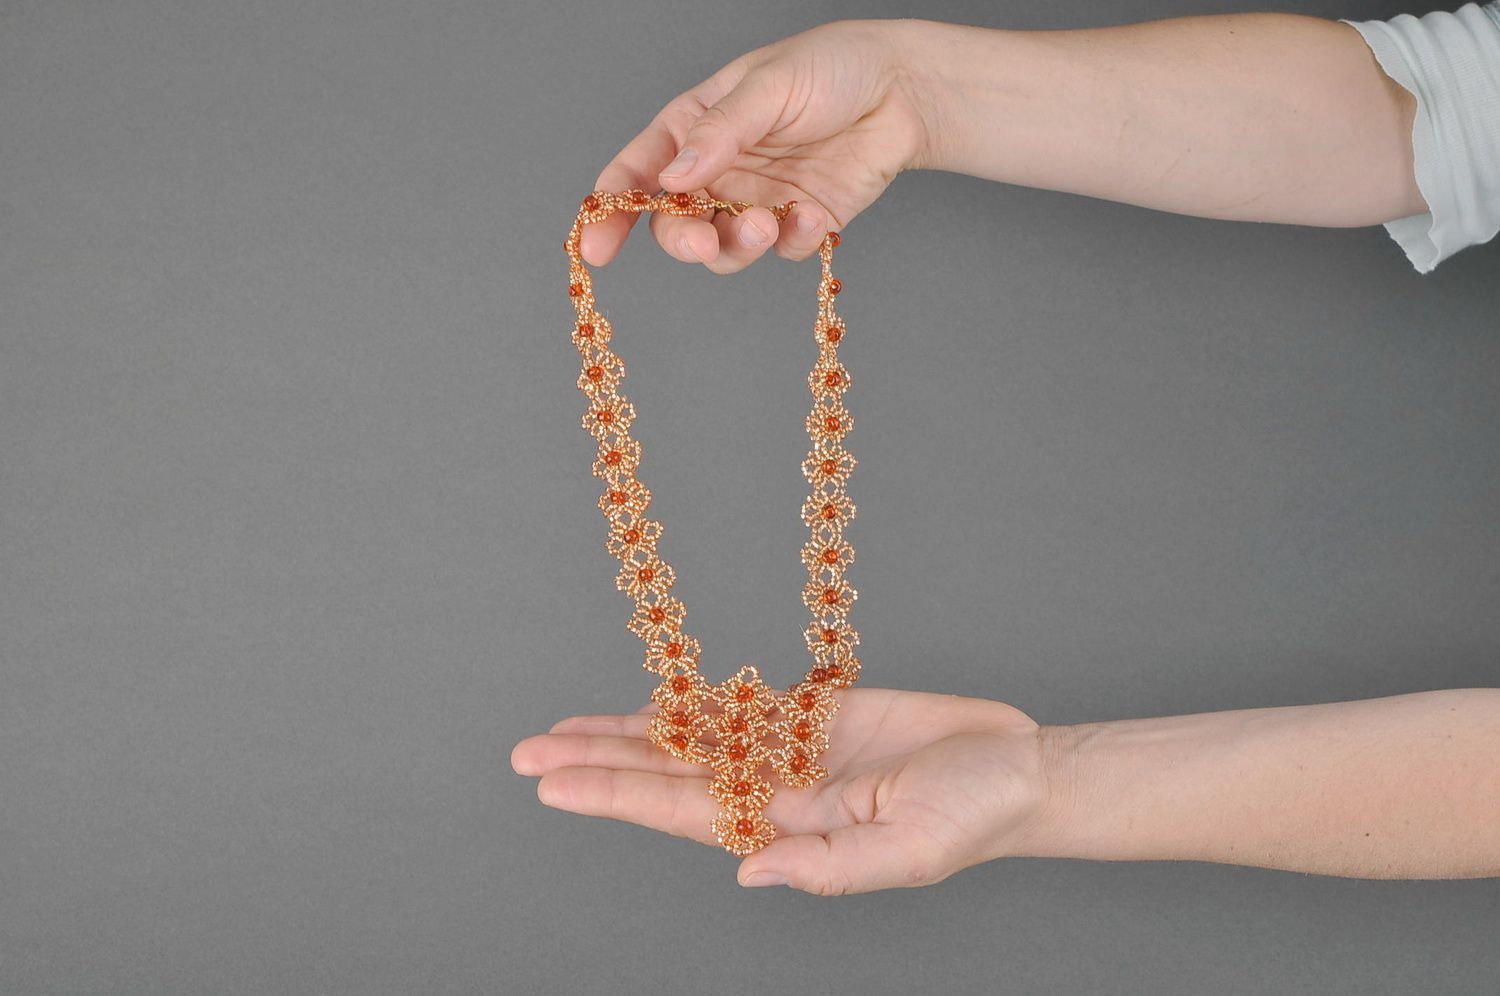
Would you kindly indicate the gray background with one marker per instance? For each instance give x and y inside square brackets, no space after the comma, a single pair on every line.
[298,537]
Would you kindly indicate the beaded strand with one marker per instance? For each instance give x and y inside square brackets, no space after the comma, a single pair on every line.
[740,725]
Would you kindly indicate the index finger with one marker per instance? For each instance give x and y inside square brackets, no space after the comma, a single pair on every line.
[636,166]
[640,162]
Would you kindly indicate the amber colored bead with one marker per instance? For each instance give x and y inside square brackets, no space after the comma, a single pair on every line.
[606,416]
[679,741]
[830,556]
[835,285]
[741,787]
[618,497]
[574,290]
[680,683]
[835,671]
[818,675]
[798,762]
[633,536]
[682,200]
[586,331]
[833,239]
[744,827]
[738,725]
[645,575]
[680,718]
[735,752]
[830,467]
[835,333]
[591,203]
[613,458]
[830,511]
[744,693]
[802,730]
[830,596]
[672,650]
[807,700]
[639,196]
[595,372]
[656,615]
[832,378]
[830,636]
[832,423]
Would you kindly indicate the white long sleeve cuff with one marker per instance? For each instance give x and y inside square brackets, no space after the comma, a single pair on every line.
[1450,62]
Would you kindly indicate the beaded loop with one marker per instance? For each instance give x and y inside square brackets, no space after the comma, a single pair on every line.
[740,725]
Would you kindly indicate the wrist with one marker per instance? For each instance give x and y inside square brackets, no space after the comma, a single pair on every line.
[953,75]
[1055,829]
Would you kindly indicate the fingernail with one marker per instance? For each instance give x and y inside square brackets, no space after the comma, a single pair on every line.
[806,222]
[688,250]
[751,235]
[765,878]
[684,162]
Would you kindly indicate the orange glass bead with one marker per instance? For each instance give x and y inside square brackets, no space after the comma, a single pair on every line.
[832,423]
[835,671]
[744,827]
[680,718]
[618,497]
[830,556]
[835,285]
[613,458]
[830,467]
[807,700]
[655,614]
[591,203]
[832,378]
[802,730]
[574,290]
[742,787]
[738,725]
[736,752]
[830,636]
[833,239]
[681,683]
[586,331]
[835,333]
[633,536]
[830,596]
[645,575]
[679,741]
[744,693]
[798,763]
[830,511]
[638,197]
[818,675]
[672,650]
[595,372]
[606,416]
[682,200]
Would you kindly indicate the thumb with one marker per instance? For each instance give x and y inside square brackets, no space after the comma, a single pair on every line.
[741,118]
[861,858]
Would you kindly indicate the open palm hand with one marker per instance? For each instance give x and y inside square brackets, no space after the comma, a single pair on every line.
[920,785]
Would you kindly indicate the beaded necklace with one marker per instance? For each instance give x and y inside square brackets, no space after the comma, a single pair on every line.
[739,726]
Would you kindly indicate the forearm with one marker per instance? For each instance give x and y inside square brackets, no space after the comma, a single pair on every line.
[1400,787]
[1261,117]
